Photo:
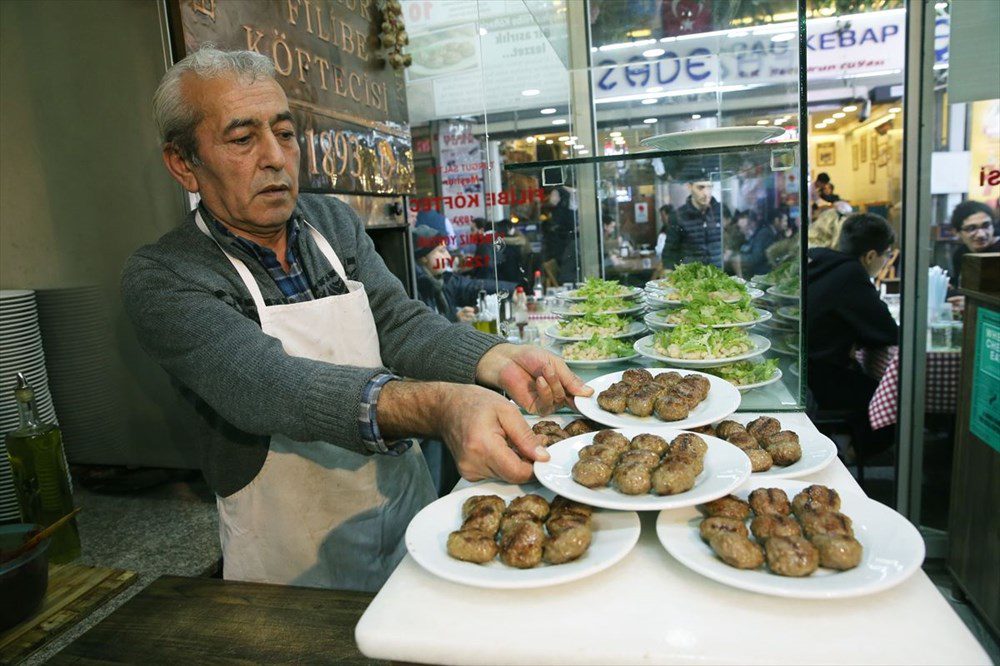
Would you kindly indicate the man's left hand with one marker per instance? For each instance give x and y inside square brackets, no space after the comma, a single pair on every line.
[537,380]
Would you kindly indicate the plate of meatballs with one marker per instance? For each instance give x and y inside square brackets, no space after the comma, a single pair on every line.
[630,469]
[791,539]
[496,535]
[774,451]
[657,397]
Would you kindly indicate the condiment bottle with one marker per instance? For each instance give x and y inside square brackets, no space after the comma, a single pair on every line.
[539,289]
[41,477]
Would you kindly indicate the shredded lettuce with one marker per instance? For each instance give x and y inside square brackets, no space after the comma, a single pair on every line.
[744,373]
[597,349]
[688,281]
[593,324]
[597,304]
[695,342]
[703,310]
[597,288]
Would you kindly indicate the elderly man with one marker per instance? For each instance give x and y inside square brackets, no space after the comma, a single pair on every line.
[280,323]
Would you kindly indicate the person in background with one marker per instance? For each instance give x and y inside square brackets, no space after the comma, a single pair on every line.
[787,238]
[439,223]
[450,294]
[753,251]
[563,233]
[825,229]
[844,313]
[666,213]
[483,254]
[817,193]
[732,241]
[696,234]
[975,223]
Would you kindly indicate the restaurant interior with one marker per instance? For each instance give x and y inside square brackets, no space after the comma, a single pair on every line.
[636,187]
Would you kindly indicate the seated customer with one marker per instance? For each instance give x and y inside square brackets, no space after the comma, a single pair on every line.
[975,223]
[844,313]
[753,253]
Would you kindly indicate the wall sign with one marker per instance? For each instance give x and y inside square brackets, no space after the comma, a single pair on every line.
[349,109]
[984,415]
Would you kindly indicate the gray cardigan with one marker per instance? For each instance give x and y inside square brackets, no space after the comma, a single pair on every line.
[195,317]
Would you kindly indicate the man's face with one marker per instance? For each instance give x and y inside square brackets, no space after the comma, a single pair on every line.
[743,223]
[249,154]
[977,232]
[701,193]
[437,260]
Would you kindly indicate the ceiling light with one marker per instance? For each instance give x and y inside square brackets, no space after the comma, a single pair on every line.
[850,108]
[695,116]
[539,136]
[649,100]
[614,134]
[564,138]
[483,32]
[565,152]
[649,121]
[653,53]
[839,115]
[548,142]
[530,139]
[584,151]
[783,37]
[574,138]
[531,92]
[820,125]
[547,112]
[559,121]
[763,122]
[778,121]
[895,109]
[619,140]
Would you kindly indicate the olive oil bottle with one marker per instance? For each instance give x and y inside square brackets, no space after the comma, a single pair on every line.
[41,478]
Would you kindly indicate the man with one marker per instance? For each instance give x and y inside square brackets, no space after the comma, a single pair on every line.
[279,321]
[844,312]
[695,232]
[975,223]
[753,252]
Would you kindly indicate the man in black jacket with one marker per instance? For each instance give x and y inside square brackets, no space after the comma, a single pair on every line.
[844,312]
[694,233]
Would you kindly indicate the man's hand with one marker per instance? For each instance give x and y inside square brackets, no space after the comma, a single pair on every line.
[536,379]
[466,315]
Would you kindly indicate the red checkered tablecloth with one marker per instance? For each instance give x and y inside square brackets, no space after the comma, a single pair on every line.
[940,385]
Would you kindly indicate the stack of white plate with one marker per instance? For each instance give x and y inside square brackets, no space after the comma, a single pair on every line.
[20,351]
[77,331]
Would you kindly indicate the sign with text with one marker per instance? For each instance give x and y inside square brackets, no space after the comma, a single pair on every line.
[984,416]
[349,108]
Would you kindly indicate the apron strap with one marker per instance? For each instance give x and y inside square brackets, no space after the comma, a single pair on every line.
[327,250]
[241,268]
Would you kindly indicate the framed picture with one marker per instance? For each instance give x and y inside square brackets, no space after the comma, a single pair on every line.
[854,157]
[863,142]
[826,153]
[871,169]
[873,148]
[883,155]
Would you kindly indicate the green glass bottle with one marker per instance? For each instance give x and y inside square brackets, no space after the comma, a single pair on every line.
[41,478]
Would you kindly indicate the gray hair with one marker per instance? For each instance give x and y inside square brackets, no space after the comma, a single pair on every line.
[175,117]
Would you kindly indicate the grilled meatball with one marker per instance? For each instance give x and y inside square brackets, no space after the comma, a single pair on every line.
[730,506]
[784,448]
[721,525]
[560,522]
[767,525]
[769,500]
[612,401]
[700,383]
[606,454]
[673,477]
[533,504]
[743,440]
[612,438]
[689,393]
[522,545]
[705,430]
[649,442]
[687,441]
[545,427]
[632,479]
[737,551]
[667,379]
[625,387]
[472,546]
[513,518]
[562,505]
[816,498]
[637,376]
[763,426]
[760,460]
[641,402]
[568,545]
[579,427]
[670,408]
[640,457]
[591,472]
[829,523]
[484,517]
[726,428]
[838,552]
[476,500]
[791,556]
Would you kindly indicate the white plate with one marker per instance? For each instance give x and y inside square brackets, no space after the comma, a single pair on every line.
[761,281]
[615,534]
[657,321]
[714,137]
[556,349]
[573,295]
[794,370]
[723,399]
[893,550]
[559,312]
[777,348]
[645,347]
[818,451]
[780,294]
[661,299]
[726,468]
[767,382]
[785,312]
[633,328]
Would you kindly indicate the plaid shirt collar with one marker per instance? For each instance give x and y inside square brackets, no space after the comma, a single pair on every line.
[293,284]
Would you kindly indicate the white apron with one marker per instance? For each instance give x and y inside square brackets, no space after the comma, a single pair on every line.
[316,514]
